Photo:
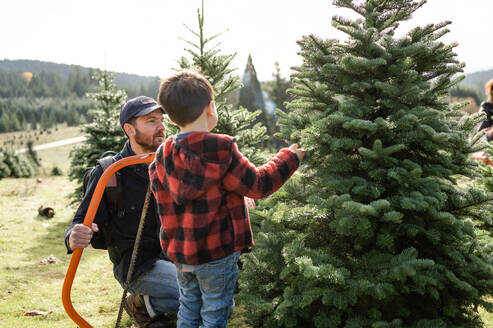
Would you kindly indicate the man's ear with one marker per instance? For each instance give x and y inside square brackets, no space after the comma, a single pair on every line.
[129,129]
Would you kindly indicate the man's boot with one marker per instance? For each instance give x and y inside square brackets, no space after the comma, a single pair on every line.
[135,307]
[163,320]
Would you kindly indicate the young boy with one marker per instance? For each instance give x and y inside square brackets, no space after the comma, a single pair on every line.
[200,181]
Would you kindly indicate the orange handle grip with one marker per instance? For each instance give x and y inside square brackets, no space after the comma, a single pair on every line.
[89,218]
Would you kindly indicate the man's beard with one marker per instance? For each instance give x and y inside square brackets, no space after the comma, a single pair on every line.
[149,144]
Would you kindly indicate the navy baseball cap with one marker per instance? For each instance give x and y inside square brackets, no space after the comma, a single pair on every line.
[138,106]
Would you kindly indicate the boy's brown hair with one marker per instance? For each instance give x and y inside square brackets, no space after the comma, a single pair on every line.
[184,95]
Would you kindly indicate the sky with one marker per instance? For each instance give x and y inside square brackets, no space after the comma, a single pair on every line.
[145,37]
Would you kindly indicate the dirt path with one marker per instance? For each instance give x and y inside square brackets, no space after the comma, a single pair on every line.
[54,144]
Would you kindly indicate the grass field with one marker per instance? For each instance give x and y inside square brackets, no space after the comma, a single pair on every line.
[56,156]
[26,239]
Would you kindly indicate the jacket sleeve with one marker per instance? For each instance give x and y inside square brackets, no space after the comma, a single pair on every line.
[101,214]
[245,179]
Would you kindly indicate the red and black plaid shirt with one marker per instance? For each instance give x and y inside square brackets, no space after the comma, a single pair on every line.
[199,181]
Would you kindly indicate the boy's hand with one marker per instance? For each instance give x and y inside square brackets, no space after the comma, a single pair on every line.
[299,152]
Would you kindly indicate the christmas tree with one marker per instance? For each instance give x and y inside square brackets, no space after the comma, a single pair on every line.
[376,231]
[251,96]
[217,68]
[103,133]
[16,165]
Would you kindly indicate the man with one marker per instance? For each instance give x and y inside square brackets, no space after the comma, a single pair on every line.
[154,298]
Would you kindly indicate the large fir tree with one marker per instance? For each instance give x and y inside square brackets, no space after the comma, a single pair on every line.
[377,232]
[103,133]
[217,68]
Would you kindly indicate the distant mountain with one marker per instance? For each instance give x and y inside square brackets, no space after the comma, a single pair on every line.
[477,80]
[123,80]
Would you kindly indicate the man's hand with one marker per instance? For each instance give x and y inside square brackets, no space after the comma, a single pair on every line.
[80,237]
[299,152]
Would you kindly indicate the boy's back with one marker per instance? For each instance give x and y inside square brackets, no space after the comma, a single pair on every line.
[200,180]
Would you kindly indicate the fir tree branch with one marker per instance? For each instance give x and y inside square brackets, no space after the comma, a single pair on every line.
[484,201]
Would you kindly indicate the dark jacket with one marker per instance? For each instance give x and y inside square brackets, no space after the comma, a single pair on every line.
[199,182]
[121,230]
[486,107]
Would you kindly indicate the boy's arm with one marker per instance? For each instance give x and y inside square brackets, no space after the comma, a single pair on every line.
[245,179]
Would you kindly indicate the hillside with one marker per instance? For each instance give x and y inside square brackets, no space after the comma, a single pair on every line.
[478,79]
[123,80]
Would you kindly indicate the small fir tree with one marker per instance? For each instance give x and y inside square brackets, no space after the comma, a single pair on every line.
[4,168]
[216,67]
[16,165]
[15,124]
[32,153]
[377,232]
[52,119]
[45,123]
[56,171]
[34,122]
[103,133]
[4,122]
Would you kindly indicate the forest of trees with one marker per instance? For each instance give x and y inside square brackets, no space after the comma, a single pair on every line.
[31,97]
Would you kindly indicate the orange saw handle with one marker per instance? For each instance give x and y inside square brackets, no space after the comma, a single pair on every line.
[89,218]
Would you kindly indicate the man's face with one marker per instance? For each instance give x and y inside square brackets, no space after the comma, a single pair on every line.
[150,131]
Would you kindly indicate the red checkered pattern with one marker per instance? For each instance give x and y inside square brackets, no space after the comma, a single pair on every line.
[199,183]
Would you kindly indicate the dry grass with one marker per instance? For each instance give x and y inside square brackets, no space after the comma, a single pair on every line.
[26,239]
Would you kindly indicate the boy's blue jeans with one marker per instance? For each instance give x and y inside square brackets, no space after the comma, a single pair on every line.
[206,292]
